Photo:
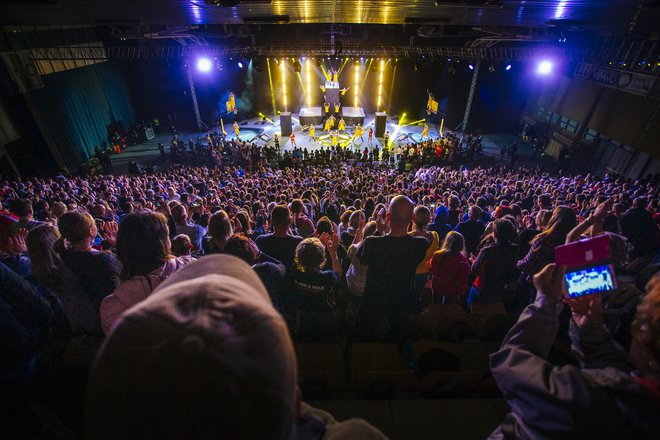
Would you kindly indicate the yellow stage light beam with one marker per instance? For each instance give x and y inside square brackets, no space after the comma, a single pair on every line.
[413,123]
[325,74]
[364,80]
[272,91]
[355,86]
[302,84]
[342,65]
[284,85]
[380,84]
[267,119]
[389,107]
[309,82]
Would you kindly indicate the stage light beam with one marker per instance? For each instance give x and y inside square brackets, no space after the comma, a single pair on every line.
[356,85]
[380,84]
[309,82]
[204,65]
[284,103]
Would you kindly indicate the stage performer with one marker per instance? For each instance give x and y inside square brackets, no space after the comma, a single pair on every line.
[335,140]
[312,132]
[359,131]
[326,106]
[329,123]
[237,130]
[342,125]
[292,136]
[322,88]
[432,104]
[344,90]
[335,76]
[425,132]
[337,105]
[371,135]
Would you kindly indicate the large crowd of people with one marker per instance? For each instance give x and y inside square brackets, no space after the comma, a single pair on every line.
[123,267]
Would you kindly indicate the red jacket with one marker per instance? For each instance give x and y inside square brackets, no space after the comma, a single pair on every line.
[449,275]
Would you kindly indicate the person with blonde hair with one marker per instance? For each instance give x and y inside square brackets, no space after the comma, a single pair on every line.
[449,269]
[96,271]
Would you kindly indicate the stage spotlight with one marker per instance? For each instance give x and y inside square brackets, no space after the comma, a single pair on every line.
[204,65]
[508,67]
[471,66]
[544,67]
[240,65]
[491,68]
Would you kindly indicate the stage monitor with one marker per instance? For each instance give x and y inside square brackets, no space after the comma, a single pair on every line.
[381,122]
[285,123]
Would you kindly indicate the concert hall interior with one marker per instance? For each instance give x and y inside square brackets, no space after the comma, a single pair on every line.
[329,219]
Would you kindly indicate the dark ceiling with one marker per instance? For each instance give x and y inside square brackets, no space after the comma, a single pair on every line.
[614,15]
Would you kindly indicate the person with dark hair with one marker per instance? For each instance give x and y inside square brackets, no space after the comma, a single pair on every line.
[472,229]
[182,247]
[191,229]
[280,244]
[144,249]
[302,223]
[219,231]
[96,271]
[22,208]
[495,265]
[638,227]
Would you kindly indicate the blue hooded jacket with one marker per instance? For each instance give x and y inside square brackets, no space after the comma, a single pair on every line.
[440,224]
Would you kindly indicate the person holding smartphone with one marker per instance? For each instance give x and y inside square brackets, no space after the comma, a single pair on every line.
[608,394]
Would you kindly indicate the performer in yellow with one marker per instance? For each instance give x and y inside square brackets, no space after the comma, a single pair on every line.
[231,104]
[326,106]
[335,76]
[337,107]
[335,140]
[344,90]
[432,104]
[342,125]
[425,132]
[322,88]
[329,123]
[312,132]
[237,130]
[359,131]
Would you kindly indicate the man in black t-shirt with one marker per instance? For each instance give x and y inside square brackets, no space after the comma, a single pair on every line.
[391,261]
[280,244]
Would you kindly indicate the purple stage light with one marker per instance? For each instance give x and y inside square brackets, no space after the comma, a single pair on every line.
[544,67]
[204,65]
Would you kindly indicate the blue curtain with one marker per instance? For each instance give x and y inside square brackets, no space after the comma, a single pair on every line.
[76,106]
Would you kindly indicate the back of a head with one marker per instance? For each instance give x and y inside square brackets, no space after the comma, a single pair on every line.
[310,255]
[142,243]
[220,226]
[178,212]
[181,245]
[280,217]
[505,231]
[401,211]
[205,356]
[74,226]
[297,206]
[324,225]
[239,246]
[454,243]
[44,261]
[20,207]
[421,216]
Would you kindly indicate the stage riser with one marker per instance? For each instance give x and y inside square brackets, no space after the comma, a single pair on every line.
[311,120]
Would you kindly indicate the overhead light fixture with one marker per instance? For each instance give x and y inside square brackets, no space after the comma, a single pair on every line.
[508,67]
[471,66]
[240,65]
[544,67]
[204,65]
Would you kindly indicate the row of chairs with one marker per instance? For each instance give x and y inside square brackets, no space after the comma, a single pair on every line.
[381,370]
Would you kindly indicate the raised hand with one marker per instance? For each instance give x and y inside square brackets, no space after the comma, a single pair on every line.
[586,310]
[110,231]
[16,243]
[603,209]
[550,281]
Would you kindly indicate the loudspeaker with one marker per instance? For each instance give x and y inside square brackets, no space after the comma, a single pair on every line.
[285,123]
[381,120]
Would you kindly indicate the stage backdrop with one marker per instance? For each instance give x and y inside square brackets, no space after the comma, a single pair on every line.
[76,106]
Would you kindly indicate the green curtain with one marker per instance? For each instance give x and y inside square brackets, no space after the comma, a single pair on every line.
[76,106]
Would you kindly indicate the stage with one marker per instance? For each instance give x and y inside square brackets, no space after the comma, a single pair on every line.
[315,116]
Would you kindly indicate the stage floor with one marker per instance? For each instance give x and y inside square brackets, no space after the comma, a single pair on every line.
[256,130]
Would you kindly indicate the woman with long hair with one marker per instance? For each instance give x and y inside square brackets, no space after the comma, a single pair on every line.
[219,231]
[449,269]
[51,272]
[542,251]
[144,249]
[97,271]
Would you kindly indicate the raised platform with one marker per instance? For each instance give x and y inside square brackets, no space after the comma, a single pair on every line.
[311,115]
[353,115]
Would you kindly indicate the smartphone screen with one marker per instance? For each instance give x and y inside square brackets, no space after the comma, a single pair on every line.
[591,280]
